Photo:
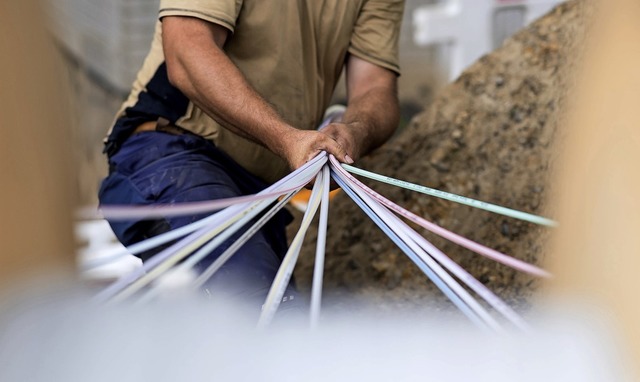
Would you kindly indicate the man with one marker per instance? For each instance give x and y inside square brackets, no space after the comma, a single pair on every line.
[227,102]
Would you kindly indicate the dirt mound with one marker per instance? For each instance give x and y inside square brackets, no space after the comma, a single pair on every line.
[488,135]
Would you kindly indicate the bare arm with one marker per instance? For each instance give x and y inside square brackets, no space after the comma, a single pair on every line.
[199,67]
[372,110]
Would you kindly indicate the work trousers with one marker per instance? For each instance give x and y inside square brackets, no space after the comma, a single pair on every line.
[154,167]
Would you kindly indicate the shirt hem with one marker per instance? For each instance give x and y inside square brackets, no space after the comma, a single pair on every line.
[197,14]
[375,60]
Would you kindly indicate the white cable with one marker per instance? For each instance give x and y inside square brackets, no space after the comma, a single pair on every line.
[281,281]
[318,270]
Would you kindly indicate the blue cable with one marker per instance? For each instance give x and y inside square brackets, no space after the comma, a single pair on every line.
[455,299]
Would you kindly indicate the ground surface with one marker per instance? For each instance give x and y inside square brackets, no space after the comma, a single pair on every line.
[488,136]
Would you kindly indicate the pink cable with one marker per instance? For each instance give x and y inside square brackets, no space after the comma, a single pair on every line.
[166,210]
[113,212]
[462,241]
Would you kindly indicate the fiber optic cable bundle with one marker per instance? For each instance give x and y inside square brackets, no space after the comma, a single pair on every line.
[198,239]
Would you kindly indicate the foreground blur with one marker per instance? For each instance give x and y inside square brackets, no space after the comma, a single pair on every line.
[68,339]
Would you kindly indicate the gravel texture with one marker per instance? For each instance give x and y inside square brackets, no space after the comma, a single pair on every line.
[489,135]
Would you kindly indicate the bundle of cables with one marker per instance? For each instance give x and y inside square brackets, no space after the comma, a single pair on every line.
[195,241]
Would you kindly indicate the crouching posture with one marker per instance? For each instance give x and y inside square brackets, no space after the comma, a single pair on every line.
[227,102]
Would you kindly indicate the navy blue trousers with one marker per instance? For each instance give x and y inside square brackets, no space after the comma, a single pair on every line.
[156,167]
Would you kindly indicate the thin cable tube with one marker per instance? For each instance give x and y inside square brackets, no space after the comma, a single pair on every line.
[181,209]
[454,198]
[459,272]
[405,234]
[163,260]
[224,257]
[118,285]
[318,269]
[460,240]
[205,250]
[163,238]
[226,234]
[299,178]
[281,281]
[496,302]
[126,212]
[243,211]
[237,221]
[193,241]
[455,299]
[401,230]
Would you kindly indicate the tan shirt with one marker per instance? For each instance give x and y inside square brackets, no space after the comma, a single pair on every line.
[291,52]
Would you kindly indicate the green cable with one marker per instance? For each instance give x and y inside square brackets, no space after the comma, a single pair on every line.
[453,197]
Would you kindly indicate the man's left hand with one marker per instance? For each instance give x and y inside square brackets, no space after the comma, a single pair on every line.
[348,135]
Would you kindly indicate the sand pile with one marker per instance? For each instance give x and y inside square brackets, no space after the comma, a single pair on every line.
[489,135]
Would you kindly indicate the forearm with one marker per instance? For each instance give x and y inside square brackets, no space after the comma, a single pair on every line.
[372,108]
[373,116]
[204,73]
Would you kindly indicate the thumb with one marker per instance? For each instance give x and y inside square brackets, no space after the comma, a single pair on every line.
[338,151]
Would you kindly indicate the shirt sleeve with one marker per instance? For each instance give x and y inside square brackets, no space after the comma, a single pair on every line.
[222,12]
[376,33]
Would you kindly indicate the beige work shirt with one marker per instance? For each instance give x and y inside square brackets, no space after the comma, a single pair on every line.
[291,52]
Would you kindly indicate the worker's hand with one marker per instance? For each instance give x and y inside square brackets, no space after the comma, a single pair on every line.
[300,146]
[348,136]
